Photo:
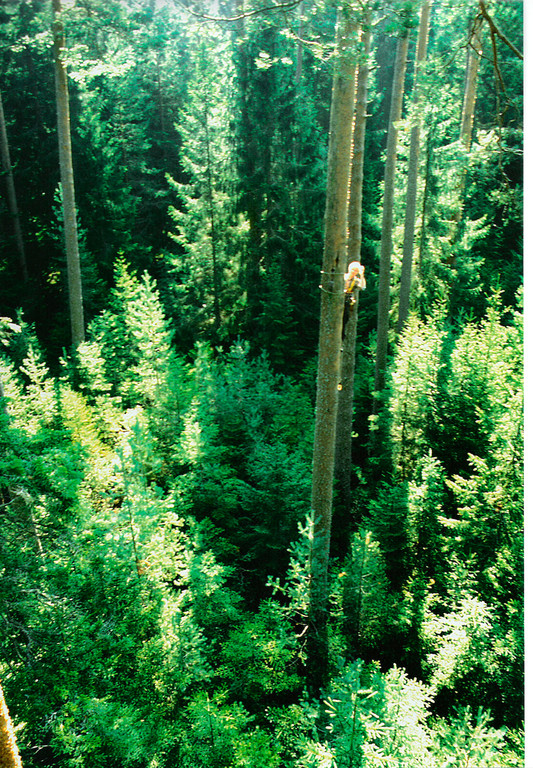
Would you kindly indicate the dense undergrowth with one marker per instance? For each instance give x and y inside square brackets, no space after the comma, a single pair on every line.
[154,548]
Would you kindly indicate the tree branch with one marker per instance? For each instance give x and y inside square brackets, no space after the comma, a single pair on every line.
[245,15]
[495,31]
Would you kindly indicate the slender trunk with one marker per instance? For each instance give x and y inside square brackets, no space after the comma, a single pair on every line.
[425,198]
[214,234]
[9,754]
[11,194]
[475,50]
[161,107]
[299,46]
[387,217]
[67,182]
[412,179]
[334,259]
[343,438]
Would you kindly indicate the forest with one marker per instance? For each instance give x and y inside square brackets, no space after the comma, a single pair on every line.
[261,384]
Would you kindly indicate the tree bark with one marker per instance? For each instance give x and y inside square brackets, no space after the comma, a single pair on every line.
[343,438]
[67,181]
[387,217]
[412,178]
[9,754]
[299,46]
[217,288]
[475,49]
[332,300]
[11,194]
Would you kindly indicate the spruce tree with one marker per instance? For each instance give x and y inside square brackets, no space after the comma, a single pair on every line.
[208,230]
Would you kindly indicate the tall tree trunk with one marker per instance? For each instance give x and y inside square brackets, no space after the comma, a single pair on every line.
[425,197]
[475,50]
[334,259]
[67,181]
[412,178]
[214,233]
[400,65]
[343,438]
[9,754]
[299,46]
[11,194]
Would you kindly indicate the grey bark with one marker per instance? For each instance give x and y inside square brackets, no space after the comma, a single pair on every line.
[343,438]
[412,179]
[387,217]
[475,50]
[67,181]
[11,194]
[332,300]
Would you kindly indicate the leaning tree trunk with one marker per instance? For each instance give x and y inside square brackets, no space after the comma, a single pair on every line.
[11,194]
[9,754]
[412,179]
[343,439]
[331,308]
[67,181]
[387,218]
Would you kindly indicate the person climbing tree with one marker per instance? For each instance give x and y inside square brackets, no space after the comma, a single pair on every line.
[354,281]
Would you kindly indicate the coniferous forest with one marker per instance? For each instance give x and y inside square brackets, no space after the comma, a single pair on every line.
[261,400]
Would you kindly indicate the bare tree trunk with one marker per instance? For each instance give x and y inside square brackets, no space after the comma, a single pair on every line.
[334,259]
[9,754]
[299,46]
[217,288]
[67,181]
[425,198]
[387,217]
[343,439]
[475,50]
[412,178]
[11,194]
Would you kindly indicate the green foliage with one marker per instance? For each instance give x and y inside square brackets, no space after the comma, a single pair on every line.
[365,603]
[247,440]
[415,392]
[471,645]
[460,641]
[389,522]
[259,658]
[211,234]
[145,499]
[468,739]
[374,720]
[295,587]
[217,734]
